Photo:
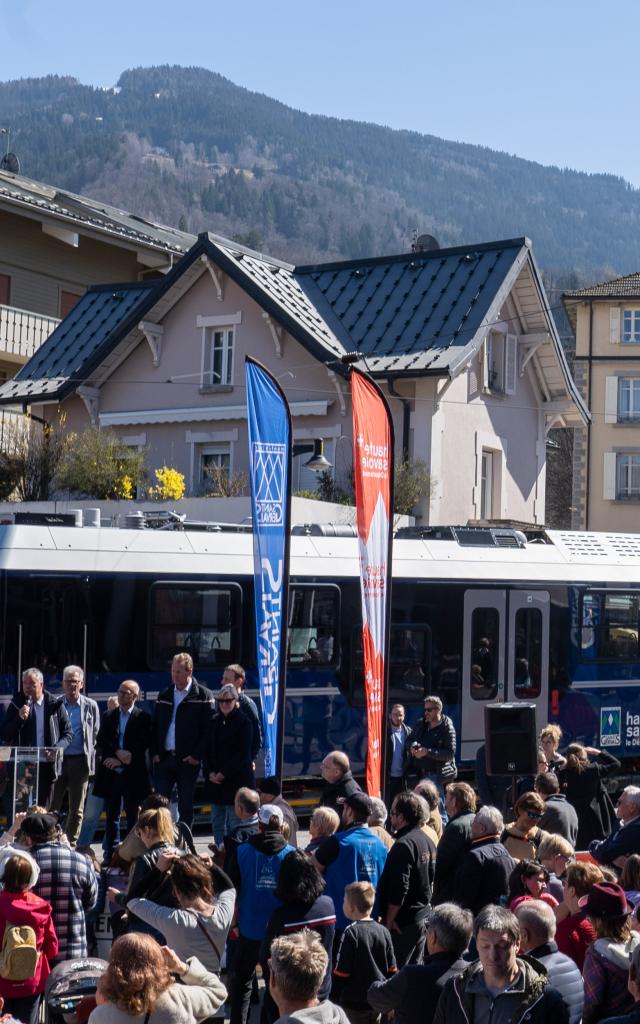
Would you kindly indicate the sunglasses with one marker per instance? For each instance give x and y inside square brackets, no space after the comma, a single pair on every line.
[535,815]
[226,700]
[430,709]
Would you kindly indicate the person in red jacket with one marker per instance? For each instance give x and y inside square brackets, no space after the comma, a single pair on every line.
[18,907]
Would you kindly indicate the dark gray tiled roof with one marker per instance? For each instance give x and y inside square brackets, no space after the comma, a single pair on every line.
[79,210]
[619,288]
[77,344]
[412,313]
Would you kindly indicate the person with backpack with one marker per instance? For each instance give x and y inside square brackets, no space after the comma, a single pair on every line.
[27,938]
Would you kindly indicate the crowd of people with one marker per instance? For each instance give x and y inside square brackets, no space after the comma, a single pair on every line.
[437,906]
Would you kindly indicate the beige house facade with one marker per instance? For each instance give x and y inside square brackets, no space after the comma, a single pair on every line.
[459,339]
[606,481]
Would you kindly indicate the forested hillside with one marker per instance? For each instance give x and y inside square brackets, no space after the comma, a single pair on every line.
[188,147]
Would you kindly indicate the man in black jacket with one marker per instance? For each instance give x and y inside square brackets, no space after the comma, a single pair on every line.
[414,991]
[180,725]
[483,875]
[404,888]
[336,772]
[35,718]
[432,749]
[122,776]
[460,804]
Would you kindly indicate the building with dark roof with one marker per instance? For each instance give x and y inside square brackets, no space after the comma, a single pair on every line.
[461,339]
[53,245]
[606,483]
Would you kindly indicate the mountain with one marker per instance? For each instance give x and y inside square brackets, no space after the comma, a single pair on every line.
[188,147]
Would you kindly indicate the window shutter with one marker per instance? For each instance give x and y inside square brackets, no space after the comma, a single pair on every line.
[486,362]
[510,363]
[611,400]
[614,325]
[609,487]
[475,368]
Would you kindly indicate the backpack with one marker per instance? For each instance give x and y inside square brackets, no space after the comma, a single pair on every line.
[19,955]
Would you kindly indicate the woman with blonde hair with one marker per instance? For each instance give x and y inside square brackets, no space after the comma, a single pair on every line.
[323,823]
[139,983]
[148,877]
[550,738]
[581,782]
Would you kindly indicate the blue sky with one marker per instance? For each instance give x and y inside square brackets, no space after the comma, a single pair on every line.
[555,82]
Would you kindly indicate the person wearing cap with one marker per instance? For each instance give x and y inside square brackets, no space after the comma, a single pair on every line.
[181,721]
[340,783]
[20,907]
[236,676]
[35,718]
[270,790]
[606,962]
[354,854]
[255,874]
[67,881]
[228,762]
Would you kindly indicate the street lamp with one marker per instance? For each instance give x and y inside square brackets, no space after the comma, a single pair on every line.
[318,462]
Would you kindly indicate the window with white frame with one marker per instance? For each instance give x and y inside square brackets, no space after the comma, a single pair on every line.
[627,477]
[486,485]
[630,326]
[218,356]
[500,363]
[213,459]
[628,398]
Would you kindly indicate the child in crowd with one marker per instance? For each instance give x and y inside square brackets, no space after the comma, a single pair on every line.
[365,955]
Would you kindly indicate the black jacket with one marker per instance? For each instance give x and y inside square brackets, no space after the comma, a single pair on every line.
[441,744]
[249,709]
[585,790]
[537,1004]
[192,721]
[560,818]
[414,991]
[137,736]
[344,787]
[407,878]
[454,843]
[228,750]
[18,733]
[483,875]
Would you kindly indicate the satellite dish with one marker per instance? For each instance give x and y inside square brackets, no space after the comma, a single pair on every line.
[426,243]
[10,163]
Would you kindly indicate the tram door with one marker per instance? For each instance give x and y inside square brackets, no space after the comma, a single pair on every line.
[505,656]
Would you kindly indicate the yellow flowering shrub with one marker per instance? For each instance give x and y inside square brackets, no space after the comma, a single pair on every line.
[170,485]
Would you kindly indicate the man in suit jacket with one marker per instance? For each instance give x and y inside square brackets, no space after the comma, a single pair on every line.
[626,839]
[35,718]
[122,776]
[180,728]
[79,760]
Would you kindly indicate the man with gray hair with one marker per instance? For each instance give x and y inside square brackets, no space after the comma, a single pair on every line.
[36,718]
[626,839]
[500,987]
[537,938]
[413,992]
[483,874]
[79,761]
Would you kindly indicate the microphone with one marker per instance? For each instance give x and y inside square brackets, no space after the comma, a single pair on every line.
[29,702]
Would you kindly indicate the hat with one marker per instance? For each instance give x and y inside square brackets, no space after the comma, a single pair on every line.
[359,803]
[39,827]
[228,690]
[606,899]
[10,851]
[269,811]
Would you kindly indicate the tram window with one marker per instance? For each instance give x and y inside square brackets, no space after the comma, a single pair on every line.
[194,617]
[46,616]
[314,614]
[610,626]
[527,668]
[485,639]
[409,662]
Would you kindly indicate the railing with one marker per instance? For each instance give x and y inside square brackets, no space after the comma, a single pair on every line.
[22,332]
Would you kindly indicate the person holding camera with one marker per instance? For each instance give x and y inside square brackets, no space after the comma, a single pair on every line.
[432,751]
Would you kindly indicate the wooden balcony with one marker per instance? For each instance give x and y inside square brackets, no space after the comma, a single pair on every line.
[22,332]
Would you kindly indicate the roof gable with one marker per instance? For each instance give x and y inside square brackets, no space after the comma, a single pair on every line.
[619,288]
